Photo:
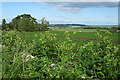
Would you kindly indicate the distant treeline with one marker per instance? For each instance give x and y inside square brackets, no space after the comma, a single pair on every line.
[111,29]
[25,22]
[65,25]
[100,27]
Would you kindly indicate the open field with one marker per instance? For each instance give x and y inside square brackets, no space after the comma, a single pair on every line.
[77,29]
[72,29]
[61,35]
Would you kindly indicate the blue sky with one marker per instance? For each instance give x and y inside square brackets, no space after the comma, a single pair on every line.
[91,13]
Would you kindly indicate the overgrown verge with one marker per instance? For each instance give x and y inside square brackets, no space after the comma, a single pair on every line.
[53,59]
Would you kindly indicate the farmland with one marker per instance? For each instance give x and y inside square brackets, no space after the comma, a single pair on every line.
[80,33]
[71,54]
[61,36]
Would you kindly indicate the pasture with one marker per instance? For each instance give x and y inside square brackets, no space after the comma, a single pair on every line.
[72,29]
[85,33]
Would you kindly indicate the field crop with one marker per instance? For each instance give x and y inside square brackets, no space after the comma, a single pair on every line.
[57,55]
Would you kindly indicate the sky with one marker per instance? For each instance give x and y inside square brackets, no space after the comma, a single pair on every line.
[89,13]
[60,0]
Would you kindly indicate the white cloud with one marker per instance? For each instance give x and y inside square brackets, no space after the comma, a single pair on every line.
[73,10]
[77,6]
[60,0]
[111,16]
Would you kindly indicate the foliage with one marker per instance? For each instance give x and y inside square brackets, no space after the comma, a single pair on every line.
[87,60]
[44,24]
[3,24]
[113,29]
[26,22]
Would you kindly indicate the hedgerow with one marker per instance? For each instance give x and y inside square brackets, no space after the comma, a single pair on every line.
[53,59]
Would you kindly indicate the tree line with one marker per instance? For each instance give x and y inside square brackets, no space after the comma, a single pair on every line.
[25,22]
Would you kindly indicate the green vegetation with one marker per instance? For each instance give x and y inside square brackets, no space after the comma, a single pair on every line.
[25,22]
[104,26]
[85,29]
[61,36]
[72,29]
[3,24]
[0,54]
[58,59]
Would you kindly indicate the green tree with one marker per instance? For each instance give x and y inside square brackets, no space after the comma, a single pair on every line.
[24,22]
[44,24]
[3,24]
[9,25]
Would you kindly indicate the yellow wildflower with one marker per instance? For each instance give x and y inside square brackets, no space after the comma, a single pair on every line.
[35,35]
[57,76]
[51,75]
[66,32]
[48,70]
[74,32]
[100,36]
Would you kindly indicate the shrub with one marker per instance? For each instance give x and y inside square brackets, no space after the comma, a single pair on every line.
[91,60]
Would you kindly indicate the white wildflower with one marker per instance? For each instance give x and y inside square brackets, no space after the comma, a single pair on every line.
[28,56]
[0,46]
[83,77]
[51,65]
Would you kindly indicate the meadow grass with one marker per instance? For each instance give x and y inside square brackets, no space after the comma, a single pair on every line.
[61,36]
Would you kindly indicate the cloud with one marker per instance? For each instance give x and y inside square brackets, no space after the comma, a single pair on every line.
[60,0]
[69,9]
[77,6]
[111,16]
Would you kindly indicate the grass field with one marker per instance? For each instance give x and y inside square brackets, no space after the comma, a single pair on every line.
[72,29]
[61,35]
[76,28]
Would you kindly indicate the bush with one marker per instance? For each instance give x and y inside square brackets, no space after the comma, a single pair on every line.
[55,59]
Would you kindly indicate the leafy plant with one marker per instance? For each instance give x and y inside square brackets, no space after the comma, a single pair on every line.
[69,60]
